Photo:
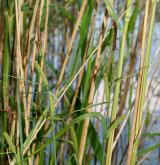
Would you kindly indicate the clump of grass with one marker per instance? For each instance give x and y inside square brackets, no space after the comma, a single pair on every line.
[141,87]
[54,56]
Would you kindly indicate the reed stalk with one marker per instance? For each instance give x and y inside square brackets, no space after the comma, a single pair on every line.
[90,100]
[142,81]
[6,68]
[20,72]
[68,54]
[117,86]
[26,57]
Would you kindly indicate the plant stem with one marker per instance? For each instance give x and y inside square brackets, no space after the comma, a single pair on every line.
[117,87]
[141,88]
[71,42]
[90,100]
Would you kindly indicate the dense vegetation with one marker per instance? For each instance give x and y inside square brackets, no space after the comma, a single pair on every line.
[77,84]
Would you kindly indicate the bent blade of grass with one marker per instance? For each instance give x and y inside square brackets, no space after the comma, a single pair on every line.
[34,131]
[115,124]
[77,120]
[112,13]
[147,150]
[48,141]
[121,129]
[10,143]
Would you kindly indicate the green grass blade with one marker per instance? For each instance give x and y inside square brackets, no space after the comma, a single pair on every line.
[10,143]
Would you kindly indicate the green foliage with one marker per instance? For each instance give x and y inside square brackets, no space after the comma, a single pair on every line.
[41,121]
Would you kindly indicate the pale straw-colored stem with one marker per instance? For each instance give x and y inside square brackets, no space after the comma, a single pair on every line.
[71,42]
[90,101]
